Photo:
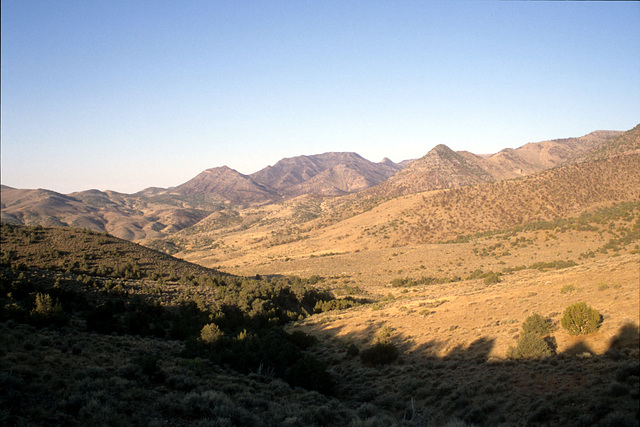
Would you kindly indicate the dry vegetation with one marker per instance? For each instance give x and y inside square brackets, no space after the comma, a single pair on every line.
[450,311]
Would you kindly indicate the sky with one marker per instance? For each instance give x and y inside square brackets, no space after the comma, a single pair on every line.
[124,95]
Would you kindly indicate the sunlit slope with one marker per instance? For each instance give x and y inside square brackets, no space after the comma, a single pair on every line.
[442,215]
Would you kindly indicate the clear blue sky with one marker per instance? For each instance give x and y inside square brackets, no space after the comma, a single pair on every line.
[123,95]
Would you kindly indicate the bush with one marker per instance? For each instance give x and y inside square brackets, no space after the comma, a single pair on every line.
[47,312]
[211,333]
[353,350]
[380,354]
[536,324]
[491,278]
[580,319]
[530,346]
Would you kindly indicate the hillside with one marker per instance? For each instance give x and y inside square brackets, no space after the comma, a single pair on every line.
[125,216]
[439,168]
[99,344]
[325,174]
[227,185]
[443,168]
[627,142]
[429,217]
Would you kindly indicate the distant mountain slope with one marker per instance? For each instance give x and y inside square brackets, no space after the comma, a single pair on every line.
[325,174]
[47,208]
[626,142]
[124,216]
[439,168]
[445,168]
[440,215]
[227,185]
[556,193]
[155,213]
[535,157]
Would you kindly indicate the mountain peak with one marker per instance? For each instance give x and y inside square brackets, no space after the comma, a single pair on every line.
[327,173]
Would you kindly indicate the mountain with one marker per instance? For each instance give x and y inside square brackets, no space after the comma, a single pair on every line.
[155,213]
[325,174]
[626,142]
[535,157]
[444,168]
[46,208]
[125,216]
[439,168]
[552,196]
[227,185]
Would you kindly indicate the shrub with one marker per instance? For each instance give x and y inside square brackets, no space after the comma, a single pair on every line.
[536,324]
[211,333]
[380,354]
[46,312]
[579,319]
[353,350]
[530,346]
[301,340]
[492,278]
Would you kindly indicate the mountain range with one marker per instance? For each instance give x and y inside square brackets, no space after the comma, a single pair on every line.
[155,213]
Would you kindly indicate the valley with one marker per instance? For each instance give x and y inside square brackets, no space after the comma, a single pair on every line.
[330,290]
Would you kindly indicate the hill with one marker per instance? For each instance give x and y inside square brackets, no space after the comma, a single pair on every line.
[443,168]
[325,174]
[227,185]
[627,142]
[125,216]
[428,217]
[439,168]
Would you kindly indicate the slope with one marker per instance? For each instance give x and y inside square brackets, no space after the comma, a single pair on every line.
[433,216]
[327,174]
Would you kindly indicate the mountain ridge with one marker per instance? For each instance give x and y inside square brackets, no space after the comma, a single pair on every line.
[155,213]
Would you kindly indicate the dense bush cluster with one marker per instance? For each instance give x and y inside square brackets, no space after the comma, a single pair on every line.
[227,319]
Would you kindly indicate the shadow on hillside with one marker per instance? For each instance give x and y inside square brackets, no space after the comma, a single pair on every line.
[627,337]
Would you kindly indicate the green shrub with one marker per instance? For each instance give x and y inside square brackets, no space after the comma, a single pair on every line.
[579,319]
[530,346]
[353,350]
[537,324]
